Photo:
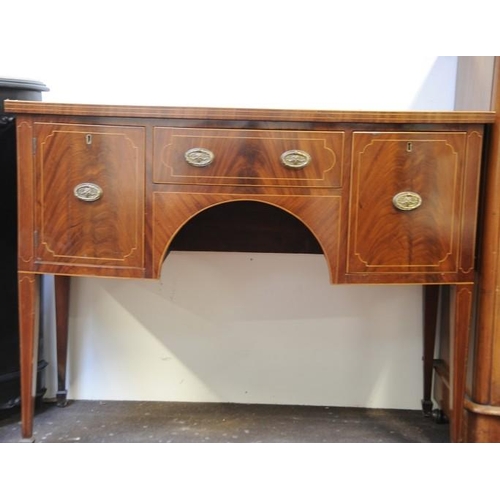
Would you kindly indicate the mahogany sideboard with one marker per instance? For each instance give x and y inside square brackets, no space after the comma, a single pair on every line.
[390,197]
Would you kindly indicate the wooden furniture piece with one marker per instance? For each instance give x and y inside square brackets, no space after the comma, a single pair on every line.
[483,399]
[389,198]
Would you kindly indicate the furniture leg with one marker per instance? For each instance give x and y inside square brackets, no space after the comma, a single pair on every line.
[61,290]
[430,305]
[461,318]
[28,309]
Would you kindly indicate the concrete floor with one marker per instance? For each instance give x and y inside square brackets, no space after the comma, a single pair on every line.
[150,422]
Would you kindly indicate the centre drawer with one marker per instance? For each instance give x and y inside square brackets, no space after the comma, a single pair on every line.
[247,157]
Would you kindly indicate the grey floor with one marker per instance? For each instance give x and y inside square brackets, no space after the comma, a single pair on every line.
[152,422]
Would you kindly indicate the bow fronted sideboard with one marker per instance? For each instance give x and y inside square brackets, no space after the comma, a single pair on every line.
[388,197]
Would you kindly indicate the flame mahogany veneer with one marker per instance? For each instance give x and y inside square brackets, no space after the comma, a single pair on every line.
[105,190]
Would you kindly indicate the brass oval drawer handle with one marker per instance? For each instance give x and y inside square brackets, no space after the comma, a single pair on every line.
[295,158]
[199,157]
[407,200]
[87,191]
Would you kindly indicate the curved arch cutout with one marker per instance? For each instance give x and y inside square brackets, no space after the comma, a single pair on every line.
[245,226]
[319,214]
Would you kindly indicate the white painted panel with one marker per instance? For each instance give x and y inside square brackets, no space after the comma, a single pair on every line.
[247,328]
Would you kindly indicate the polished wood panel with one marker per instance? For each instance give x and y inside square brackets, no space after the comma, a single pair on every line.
[271,115]
[320,214]
[105,232]
[385,239]
[437,237]
[25,189]
[247,158]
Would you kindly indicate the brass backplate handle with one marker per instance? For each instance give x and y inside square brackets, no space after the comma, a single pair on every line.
[295,158]
[87,191]
[199,157]
[407,200]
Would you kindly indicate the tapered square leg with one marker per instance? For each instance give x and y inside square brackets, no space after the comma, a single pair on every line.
[28,337]
[430,303]
[61,288]
[461,318]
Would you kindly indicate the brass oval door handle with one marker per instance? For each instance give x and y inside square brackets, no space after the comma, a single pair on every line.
[407,200]
[295,158]
[199,157]
[87,191]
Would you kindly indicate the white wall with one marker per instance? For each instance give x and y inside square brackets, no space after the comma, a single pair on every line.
[250,328]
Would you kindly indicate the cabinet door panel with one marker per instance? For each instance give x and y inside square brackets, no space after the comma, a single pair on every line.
[410,239]
[73,227]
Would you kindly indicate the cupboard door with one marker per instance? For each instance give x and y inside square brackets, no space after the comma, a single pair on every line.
[406,202]
[90,195]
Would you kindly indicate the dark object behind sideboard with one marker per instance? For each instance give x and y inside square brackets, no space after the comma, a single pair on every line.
[9,336]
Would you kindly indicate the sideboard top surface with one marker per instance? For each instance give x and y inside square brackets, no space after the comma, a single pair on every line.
[283,115]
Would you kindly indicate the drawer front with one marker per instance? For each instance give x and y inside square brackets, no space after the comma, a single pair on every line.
[406,204]
[247,157]
[90,194]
